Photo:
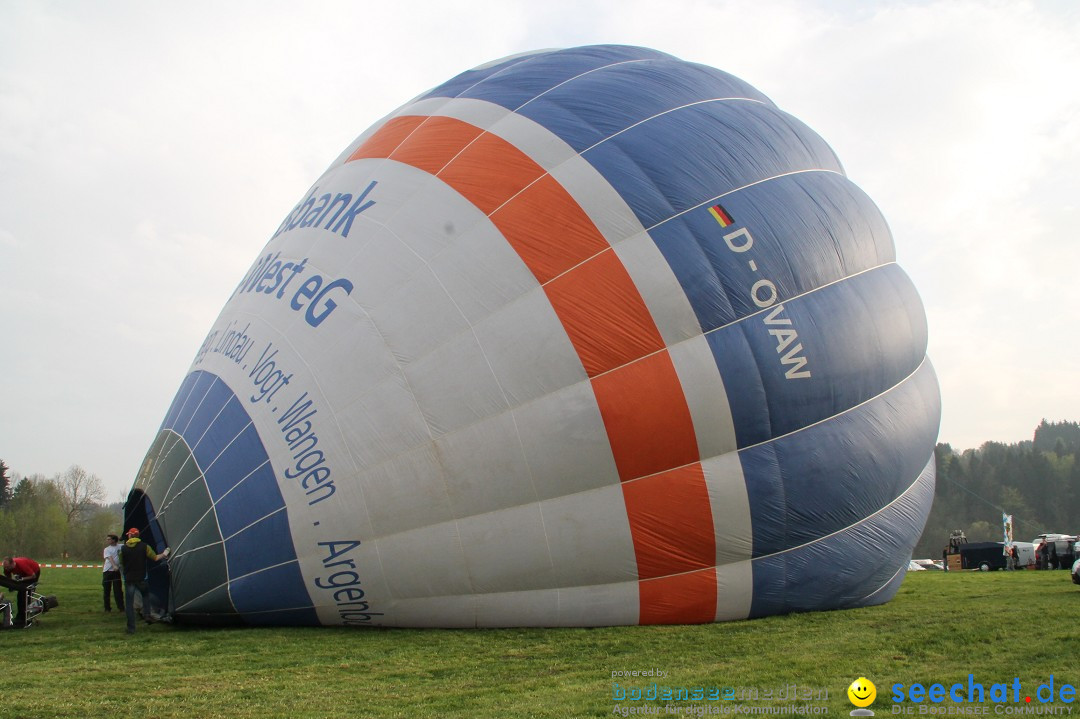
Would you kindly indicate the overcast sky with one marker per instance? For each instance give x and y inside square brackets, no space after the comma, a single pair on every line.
[149,150]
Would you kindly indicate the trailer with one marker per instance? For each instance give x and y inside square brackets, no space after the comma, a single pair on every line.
[976,555]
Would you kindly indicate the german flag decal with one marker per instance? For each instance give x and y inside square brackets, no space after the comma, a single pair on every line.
[721,215]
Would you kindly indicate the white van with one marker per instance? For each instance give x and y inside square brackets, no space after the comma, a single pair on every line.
[1063,542]
[1025,554]
[1061,548]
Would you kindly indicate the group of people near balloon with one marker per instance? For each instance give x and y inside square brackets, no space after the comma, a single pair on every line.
[125,565]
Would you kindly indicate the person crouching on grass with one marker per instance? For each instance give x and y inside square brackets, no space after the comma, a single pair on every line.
[134,555]
[20,573]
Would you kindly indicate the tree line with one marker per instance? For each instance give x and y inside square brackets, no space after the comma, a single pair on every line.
[1036,481]
[58,517]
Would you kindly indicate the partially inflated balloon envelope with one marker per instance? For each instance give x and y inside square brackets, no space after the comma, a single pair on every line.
[581,337]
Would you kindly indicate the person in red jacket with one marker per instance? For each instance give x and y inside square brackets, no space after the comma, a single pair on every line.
[20,573]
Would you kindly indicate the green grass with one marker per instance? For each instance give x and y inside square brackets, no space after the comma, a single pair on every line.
[941,627]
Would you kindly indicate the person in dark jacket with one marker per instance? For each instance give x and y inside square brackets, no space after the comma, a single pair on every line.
[134,558]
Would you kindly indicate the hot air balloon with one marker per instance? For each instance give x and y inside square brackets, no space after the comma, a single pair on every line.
[580,337]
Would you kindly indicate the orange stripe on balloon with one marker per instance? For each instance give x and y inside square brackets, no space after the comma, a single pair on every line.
[673,522]
[649,425]
[606,318]
[541,212]
[387,138]
[645,414]
[679,599]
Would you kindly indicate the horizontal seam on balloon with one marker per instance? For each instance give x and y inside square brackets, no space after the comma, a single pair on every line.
[899,497]
[770,308]
[699,570]
[548,171]
[581,154]
[217,414]
[187,398]
[250,423]
[843,529]
[648,230]
[852,408]
[513,408]
[635,479]
[481,133]
[509,408]
[348,453]
[513,65]
[795,431]
[228,582]
[628,582]
[528,59]
[774,305]
[853,525]
[743,187]
[191,455]
[887,582]
[471,328]
[199,404]
[581,75]
[204,470]
[263,518]
[198,475]
[160,458]
[674,109]
[610,246]
[176,554]
[214,502]
[261,612]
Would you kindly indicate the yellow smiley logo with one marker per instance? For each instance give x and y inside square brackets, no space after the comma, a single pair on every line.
[862,692]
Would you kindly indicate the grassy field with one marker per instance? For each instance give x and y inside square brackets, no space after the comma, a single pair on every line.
[941,627]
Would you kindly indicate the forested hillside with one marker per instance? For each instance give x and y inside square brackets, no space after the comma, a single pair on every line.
[1037,481]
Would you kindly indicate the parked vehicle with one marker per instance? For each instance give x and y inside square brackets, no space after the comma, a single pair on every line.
[1025,555]
[977,555]
[930,564]
[1059,552]
[1063,542]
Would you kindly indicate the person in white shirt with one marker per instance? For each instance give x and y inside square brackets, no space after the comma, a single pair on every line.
[110,574]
